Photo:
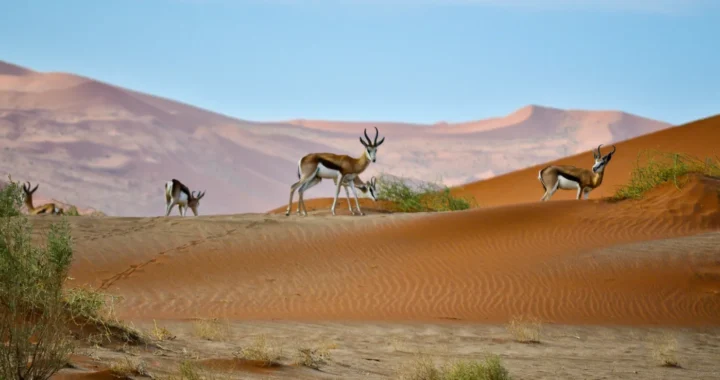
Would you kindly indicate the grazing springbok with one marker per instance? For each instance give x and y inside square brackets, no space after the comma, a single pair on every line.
[568,177]
[342,168]
[368,188]
[178,194]
[48,208]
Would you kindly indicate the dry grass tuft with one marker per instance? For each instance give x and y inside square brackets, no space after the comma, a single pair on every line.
[260,351]
[654,168]
[211,329]
[525,330]
[160,333]
[665,351]
[128,367]
[313,357]
[423,368]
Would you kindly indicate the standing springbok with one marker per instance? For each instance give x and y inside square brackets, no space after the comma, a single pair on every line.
[342,168]
[568,177]
[368,188]
[176,193]
[48,208]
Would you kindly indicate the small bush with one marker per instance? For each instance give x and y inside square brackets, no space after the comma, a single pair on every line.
[489,369]
[33,318]
[312,357]
[420,198]
[210,329]
[665,350]
[423,368]
[160,333]
[525,330]
[260,351]
[654,168]
[72,211]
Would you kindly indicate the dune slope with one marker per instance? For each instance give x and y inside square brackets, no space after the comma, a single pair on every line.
[698,138]
[641,262]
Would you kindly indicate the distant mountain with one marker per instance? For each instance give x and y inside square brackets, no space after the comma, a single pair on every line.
[98,145]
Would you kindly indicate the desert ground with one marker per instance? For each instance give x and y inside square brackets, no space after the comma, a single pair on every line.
[609,289]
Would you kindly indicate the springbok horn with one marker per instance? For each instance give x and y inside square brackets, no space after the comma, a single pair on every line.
[192,194]
[377,134]
[366,136]
[598,150]
[614,149]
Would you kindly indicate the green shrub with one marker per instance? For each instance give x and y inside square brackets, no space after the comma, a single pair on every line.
[420,198]
[72,211]
[654,168]
[33,321]
[423,368]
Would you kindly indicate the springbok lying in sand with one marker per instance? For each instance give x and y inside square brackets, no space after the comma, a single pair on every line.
[176,193]
[368,188]
[48,208]
[340,167]
[566,177]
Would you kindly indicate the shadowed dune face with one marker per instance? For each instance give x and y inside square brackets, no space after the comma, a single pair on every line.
[698,139]
[94,144]
[565,262]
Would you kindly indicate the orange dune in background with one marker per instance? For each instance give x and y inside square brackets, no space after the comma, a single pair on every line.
[699,138]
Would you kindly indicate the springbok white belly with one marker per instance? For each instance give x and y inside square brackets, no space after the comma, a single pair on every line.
[325,172]
[566,184]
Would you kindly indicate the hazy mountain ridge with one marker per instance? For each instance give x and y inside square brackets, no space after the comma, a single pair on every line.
[99,145]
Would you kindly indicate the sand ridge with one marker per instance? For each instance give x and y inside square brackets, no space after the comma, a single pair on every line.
[483,265]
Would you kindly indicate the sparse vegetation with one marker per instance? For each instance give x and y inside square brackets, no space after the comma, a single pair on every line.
[423,368]
[210,329]
[420,198]
[33,318]
[664,350]
[87,306]
[160,333]
[128,367]
[654,168]
[525,330]
[72,211]
[314,357]
[261,351]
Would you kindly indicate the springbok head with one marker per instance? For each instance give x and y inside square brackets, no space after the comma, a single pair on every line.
[28,192]
[372,188]
[194,201]
[371,147]
[600,160]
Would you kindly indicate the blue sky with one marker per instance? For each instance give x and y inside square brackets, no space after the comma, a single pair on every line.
[393,60]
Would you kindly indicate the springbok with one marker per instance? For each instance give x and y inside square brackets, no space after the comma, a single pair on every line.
[48,208]
[566,177]
[340,167]
[368,188]
[176,193]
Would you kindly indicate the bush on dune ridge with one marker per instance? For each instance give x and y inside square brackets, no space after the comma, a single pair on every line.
[35,309]
[423,197]
[662,167]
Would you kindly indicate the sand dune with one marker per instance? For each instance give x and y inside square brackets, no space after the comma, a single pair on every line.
[119,146]
[565,262]
[698,138]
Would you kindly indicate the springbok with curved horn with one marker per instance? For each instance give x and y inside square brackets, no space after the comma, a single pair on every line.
[176,193]
[48,208]
[343,169]
[368,188]
[566,177]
